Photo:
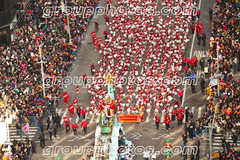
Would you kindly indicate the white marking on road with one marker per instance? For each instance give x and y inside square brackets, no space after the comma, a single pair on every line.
[170,111]
[162,117]
[77,119]
[184,118]
[59,111]
[64,115]
[193,110]
[160,136]
[193,40]
[136,136]
[199,111]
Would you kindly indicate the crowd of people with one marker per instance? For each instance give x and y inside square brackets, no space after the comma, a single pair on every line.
[124,54]
[21,79]
[225,106]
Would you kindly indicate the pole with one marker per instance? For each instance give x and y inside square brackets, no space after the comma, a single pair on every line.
[40,52]
[69,33]
[212,126]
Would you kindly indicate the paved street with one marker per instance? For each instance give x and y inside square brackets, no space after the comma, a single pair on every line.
[144,134]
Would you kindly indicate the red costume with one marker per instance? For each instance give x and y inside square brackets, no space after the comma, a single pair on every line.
[71,110]
[75,102]
[167,119]
[74,126]
[66,97]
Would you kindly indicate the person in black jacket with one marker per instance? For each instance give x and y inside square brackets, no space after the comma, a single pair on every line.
[33,146]
[58,119]
[42,140]
[55,130]
[202,85]
[48,122]
[50,130]
[224,143]
[204,39]
[191,129]
[234,138]
[201,62]
[187,114]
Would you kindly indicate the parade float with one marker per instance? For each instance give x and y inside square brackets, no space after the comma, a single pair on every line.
[109,135]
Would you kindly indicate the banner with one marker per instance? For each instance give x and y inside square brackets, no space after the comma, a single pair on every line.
[128,118]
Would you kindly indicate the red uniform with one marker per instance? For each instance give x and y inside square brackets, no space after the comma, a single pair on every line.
[77,90]
[182,111]
[84,124]
[66,97]
[74,126]
[71,110]
[200,28]
[157,119]
[75,102]
[179,117]
[168,145]
[197,27]
[83,112]
[167,119]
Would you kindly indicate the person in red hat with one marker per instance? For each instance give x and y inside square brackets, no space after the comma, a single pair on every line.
[167,121]
[71,110]
[66,96]
[74,127]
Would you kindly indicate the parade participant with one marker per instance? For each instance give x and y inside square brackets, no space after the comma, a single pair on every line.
[78,110]
[173,113]
[157,121]
[179,118]
[168,147]
[200,28]
[198,13]
[92,68]
[84,78]
[66,96]
[84,125]
[105,33]
[75,102]
[167,121]
[193,28]
[83,112]
[74,127]
[67,124]
[77,91]
[182,111]
[141,114]
[71,110]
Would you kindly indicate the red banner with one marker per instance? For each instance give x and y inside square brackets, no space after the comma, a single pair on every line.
[128,118]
